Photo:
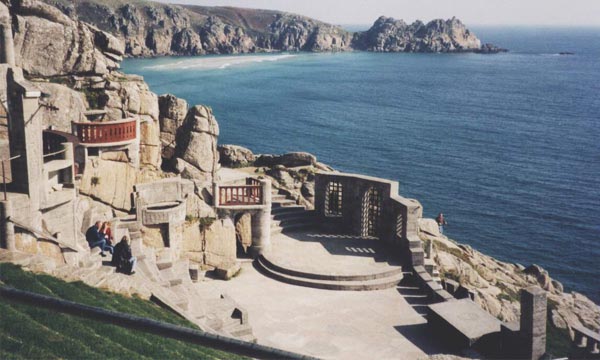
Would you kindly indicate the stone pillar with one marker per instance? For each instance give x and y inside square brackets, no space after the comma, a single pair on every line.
[7,229]
[261,223]
[69,155]
[25,138]
[533,322]
[8,47]
[194,272]
[216,195]
[266,192]
[429,250]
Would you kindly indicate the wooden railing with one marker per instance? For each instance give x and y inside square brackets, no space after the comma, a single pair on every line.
[252,181]
[106,132]
[240,195]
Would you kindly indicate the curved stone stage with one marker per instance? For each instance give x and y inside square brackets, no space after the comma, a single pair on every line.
[332,262]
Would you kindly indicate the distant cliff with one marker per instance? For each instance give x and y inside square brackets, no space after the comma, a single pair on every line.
[390,35]
[156,29]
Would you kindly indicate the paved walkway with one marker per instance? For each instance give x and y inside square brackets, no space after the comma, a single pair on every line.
[328,324]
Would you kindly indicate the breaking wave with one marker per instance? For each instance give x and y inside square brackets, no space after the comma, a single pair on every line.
[216,62]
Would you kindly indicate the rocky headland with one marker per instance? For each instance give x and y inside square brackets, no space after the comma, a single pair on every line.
[155,29]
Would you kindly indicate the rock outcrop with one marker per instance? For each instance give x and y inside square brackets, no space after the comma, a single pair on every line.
[497,284]
[390,35]
[196,149]
[69,46]
[155,29]
[172,114]
[235,156]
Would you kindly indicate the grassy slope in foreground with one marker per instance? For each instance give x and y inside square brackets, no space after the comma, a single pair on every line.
[27,332]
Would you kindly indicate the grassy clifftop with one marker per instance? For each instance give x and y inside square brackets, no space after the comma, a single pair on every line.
[28,332]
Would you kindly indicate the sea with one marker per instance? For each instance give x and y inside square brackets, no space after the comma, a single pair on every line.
[507,146]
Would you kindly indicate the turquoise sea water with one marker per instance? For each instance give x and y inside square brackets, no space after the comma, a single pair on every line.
[507,145]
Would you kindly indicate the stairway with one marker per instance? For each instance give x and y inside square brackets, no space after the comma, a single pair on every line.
[173,287]
[378,281]
[414,296]
[287,216]
[159,276]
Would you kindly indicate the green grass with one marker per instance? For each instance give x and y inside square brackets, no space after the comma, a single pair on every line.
[28,332]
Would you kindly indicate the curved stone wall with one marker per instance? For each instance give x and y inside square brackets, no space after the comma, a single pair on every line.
[164,213]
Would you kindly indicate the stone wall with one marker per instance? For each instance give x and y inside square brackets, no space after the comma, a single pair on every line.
[398,217]
[166,190]
[213,245]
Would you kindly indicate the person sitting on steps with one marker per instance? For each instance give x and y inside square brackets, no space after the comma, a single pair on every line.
[96,239]
[441,221]
[123,259]
[107,233]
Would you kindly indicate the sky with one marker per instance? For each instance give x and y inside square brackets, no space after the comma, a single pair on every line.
[471,12]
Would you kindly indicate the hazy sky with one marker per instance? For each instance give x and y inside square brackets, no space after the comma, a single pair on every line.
[472,12]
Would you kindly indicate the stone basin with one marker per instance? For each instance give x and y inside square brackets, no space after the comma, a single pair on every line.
[171,212]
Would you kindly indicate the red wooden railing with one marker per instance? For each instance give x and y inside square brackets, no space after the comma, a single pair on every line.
[252,181]
[106,132]
[240,195]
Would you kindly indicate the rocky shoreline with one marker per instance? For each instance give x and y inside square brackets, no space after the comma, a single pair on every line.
[155,29]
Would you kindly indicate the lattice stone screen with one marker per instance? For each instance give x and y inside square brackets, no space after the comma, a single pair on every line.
[371,213]
[333,199]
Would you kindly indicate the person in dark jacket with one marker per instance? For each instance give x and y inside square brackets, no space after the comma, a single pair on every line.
[96,239]
[122,257]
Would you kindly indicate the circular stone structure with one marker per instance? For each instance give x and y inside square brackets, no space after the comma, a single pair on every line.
[332,262]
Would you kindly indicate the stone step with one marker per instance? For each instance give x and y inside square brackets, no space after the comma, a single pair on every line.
[90,263]
[42,264]
[293,214]
[171,276]
[293,221]
[248,338]
[163,265]
[148,269]
[17,258]
[292,228]
[392,271]
[238,330]
[278,197]
[360,285]
[283,203]
[286,209]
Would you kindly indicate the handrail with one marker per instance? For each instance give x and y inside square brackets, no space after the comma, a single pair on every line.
[55,153]
[252,181]
[240,195]
[122,121]
[106,132]
[129,321]
[41,233]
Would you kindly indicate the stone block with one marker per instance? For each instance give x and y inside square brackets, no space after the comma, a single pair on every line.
[228,271]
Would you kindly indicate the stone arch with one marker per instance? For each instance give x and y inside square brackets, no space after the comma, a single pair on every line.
[243,233]
[371,206]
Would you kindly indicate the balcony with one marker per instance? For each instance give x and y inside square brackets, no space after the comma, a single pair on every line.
[111,133]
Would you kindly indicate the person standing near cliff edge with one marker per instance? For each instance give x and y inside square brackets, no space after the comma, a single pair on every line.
[441,221]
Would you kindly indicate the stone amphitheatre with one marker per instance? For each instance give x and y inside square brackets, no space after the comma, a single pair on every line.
[279,252]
